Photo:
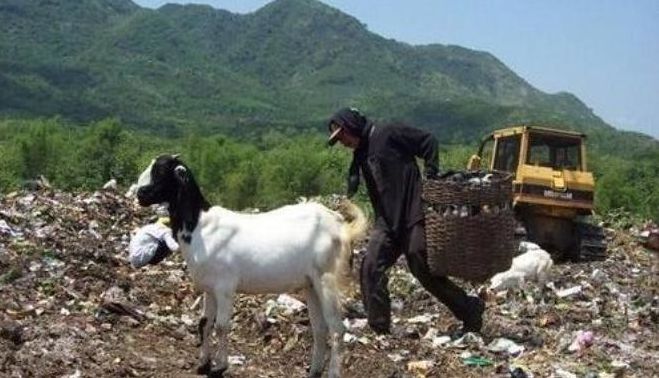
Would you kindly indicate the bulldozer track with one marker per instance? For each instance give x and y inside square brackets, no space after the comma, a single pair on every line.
[591,243]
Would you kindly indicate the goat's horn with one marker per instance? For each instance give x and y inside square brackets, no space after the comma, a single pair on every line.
[176,156]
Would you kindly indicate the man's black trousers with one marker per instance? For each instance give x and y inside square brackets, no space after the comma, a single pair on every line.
[383,249]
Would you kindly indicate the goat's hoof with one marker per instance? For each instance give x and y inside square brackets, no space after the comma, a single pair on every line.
[314,374]
[205,368]
[217,373]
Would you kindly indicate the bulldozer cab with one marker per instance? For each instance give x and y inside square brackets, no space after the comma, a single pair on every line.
[509,149]
[548,165]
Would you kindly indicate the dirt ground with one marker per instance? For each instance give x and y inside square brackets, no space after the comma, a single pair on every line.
[72,306]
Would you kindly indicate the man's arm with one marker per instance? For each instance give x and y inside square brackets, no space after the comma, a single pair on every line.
[421,144]
[171,242]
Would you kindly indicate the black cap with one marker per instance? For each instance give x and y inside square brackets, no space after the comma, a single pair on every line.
[346,119]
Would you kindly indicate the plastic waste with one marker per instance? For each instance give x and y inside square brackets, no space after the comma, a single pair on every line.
[568,292]
[421,319]
[349,338]
[395,357]
[468,338]
[289,304]
[421,367]
[503,345]
[583,340]
[561,373]
[236,360]
[110,185]
[477,361]
[518,372]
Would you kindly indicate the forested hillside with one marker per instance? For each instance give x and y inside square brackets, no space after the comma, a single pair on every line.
[209,82]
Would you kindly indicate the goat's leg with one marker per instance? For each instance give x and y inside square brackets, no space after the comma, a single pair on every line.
[329,299]
[542,273]
[205,327]
[224,300]
[203,320]
[319,329]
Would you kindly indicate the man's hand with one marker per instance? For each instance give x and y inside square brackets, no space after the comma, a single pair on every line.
[431,172]
[353,185]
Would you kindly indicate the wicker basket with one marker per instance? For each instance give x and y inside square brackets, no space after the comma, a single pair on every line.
[469,227]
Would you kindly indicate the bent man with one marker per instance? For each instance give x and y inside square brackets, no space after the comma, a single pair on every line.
[385,155]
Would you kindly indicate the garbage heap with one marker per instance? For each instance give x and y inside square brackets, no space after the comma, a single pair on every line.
[72,306]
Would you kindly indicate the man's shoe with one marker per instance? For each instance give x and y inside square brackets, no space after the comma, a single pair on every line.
[474,320]
[380,329]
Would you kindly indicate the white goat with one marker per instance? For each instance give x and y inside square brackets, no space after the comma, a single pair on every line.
[534,264]
[304,246]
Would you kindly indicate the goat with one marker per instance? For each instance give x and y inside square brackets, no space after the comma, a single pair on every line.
[305,246]
[534,264]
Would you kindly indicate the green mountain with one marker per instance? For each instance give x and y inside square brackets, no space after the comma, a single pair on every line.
[286,66]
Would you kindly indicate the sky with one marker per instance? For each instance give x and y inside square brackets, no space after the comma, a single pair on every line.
[605,52]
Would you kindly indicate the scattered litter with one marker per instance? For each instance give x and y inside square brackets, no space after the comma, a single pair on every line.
[110,185]
[364,340]
[421,319]
[468,339]
[441,341]
[430,334]
[503,345]
[477,361]
[236,360]
[397,305]
[568,292]
[395,357]
[349,338]
[67,288]
[650,236]
[583,340]
[619,365]
[436,341]
[187,320]
[5,229]
[598,276]
[75,374]
[420,367]
[518,372]
[561,373]
[11,331]
[289,304]
[355,324]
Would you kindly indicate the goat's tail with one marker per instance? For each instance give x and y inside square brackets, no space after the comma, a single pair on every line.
[354,229]
[356,221]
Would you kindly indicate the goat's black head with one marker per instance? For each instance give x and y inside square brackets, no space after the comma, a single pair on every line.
[161,180]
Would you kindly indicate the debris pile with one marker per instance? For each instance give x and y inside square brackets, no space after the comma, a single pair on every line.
[71,305]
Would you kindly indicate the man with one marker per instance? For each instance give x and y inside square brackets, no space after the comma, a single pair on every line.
[386,157]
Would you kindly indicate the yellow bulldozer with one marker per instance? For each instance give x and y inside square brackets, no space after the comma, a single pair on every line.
[553,190]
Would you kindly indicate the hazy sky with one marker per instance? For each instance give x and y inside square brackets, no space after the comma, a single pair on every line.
[604,51]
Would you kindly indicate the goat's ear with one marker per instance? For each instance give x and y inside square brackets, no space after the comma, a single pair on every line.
[181,174]
[176,156]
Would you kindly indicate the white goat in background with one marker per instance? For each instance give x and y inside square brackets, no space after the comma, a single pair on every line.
[304,246]
[534,264]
